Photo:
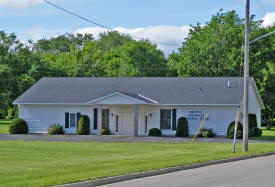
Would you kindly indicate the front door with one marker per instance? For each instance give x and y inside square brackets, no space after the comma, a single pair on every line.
[127,124]
[105,118]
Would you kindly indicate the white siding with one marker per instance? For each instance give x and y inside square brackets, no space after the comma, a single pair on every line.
[118,99]
[253,105]
[125,119]
[219,118]
[40,117]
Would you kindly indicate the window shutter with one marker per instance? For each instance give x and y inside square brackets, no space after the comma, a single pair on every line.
[174,119]
[95,118]
[77,118]
[67,120]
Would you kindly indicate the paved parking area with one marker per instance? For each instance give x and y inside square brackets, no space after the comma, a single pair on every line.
[109,138]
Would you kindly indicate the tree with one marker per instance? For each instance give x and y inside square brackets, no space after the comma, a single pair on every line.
[211,49]
[267,92]
[61,43]
[136,58]
[215,49]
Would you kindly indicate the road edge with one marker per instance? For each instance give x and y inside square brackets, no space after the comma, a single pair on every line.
[120,178]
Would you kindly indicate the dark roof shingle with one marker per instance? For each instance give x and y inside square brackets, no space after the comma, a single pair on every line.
[164,90]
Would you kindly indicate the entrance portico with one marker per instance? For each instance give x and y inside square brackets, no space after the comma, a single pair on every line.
[120,119]
[122,116]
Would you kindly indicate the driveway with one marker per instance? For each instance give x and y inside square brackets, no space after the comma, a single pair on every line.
[110,138]
[246,173]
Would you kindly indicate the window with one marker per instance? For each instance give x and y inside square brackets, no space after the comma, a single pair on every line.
[116,123]
[105,118]
[145,124]
[72,120]
[165,118]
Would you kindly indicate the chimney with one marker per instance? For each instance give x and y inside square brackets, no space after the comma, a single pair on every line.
[228,83]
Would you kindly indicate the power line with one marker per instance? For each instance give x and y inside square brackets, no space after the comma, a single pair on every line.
[262,37]
[101,25]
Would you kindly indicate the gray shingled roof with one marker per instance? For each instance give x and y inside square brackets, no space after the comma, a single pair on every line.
[187,90]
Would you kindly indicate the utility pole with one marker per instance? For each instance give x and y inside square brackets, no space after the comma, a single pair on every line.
[246,81]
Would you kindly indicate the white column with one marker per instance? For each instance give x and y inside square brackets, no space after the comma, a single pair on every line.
[99,119]
[135,120]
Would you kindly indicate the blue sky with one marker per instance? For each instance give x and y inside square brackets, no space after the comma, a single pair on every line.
[158,20]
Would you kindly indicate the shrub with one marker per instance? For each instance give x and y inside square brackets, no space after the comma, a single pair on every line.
[55,129]
[252,121]
[18,126]
[154,132]
[231,129]
[105,132]
[207,133]
[257,131]
[182,127]
[83,126]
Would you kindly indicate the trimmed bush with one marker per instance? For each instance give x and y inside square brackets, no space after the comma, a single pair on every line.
[154,132]
[83,126]
[182,127]
[55,129]
[105,132]
[207,133]
[18,126]
[257,131]
[252,121]
[231,129]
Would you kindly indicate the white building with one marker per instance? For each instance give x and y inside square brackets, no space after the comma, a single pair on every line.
[132,106]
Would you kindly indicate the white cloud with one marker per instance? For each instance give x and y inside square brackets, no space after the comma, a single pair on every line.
[38,33]
[163,33]
[269,19]
[19,3]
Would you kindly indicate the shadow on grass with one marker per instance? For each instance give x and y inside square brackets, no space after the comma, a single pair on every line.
[266,138]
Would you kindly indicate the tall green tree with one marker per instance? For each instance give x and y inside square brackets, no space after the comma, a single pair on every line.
[215,49]
[136,58]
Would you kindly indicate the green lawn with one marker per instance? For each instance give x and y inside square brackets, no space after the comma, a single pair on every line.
[35,163]
[267,135]
[4,126]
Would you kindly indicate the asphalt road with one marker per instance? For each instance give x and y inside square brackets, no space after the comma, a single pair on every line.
[258,172]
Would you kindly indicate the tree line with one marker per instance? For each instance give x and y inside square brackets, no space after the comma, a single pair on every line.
[212,49]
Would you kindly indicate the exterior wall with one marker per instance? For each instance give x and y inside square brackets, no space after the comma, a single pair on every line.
[40,117]
[125,115]
[219,118]
[118,99]
[253,105]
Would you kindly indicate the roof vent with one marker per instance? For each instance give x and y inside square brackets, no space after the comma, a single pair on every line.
[228,83]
